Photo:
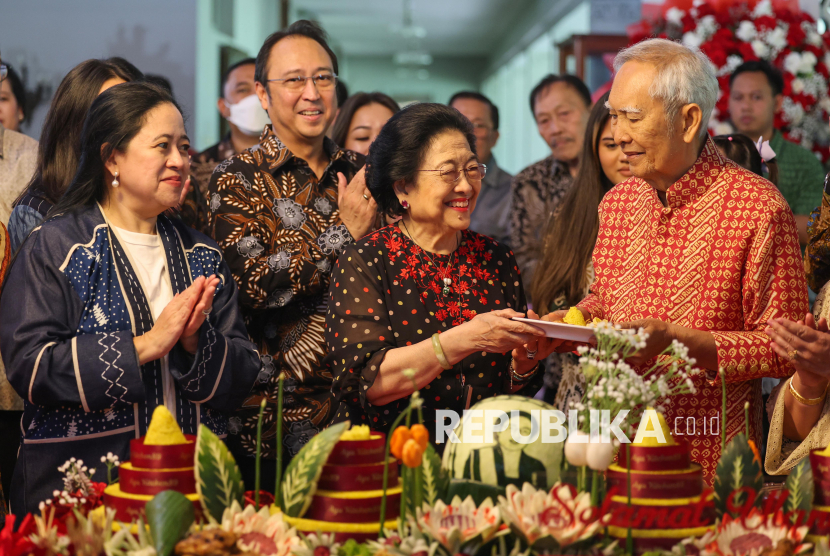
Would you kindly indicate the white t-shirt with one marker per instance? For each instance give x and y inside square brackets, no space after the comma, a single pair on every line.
[146,254]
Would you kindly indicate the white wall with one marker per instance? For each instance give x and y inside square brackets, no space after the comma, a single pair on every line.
[50,37]
[509,88]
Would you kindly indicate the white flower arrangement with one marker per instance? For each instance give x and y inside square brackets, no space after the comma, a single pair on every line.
[612,384]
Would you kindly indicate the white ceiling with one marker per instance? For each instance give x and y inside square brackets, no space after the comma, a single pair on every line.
[453,27]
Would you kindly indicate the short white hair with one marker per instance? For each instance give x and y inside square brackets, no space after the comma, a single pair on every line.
[684,76]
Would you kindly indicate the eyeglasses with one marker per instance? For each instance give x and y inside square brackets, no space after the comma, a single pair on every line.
[450,174]
[323,81]
[4,72]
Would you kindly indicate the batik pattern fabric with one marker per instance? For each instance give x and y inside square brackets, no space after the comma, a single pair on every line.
[194,209]
[535,194]
[722,256]
[280,230]
[387,293]
[817,255]
[72,304]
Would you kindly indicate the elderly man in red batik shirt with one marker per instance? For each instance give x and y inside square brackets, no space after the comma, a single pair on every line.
[693,247]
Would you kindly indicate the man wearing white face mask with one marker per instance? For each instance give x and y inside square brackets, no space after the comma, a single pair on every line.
[239,105]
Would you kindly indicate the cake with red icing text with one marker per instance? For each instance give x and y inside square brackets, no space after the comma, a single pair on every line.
[347,501]
[668,501]
[161,460]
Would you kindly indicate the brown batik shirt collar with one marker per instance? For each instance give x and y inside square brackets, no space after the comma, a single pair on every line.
[270,140]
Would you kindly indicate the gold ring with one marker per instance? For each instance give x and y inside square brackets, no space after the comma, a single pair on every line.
[793,355]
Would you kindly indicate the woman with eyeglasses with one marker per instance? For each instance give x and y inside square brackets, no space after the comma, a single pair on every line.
[426,293]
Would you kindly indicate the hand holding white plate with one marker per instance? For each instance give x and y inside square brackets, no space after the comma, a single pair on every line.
[561,330]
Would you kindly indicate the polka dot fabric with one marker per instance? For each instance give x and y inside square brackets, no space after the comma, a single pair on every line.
[386,293]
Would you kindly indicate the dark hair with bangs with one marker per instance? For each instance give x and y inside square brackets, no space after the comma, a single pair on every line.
[114,119]
[302,28]
[399,149]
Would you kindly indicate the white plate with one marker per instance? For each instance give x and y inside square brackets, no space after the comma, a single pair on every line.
[561,331]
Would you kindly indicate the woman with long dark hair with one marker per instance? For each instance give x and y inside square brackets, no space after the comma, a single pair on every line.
[111,309]
[565,272]
[60,140]
[360,120]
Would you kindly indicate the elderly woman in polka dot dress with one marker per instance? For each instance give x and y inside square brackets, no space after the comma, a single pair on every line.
[426,293]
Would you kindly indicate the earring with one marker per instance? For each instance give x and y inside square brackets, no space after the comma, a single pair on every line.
[405,204]
[115,180]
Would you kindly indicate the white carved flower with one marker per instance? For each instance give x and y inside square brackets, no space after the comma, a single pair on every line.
[279,298]
[746,31]
[749,536]
[459,523]
[798,85]
[290,212]
[249,246]
[334,239]
[549,517]
[279,260]
[259,532]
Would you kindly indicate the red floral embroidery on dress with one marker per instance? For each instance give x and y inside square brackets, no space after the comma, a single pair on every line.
[462,267]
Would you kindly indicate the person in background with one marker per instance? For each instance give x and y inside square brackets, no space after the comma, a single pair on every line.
[360,119]
[12,100]
[282,212]
[9,420]
[18,152]
[239,105]
[741,150]
[426,294]
[18,159]
[110,308]
[60,140]
[755,96]
[560,105]
[565,268]
[492,215]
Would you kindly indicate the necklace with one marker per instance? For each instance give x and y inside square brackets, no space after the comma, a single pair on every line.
[447,280]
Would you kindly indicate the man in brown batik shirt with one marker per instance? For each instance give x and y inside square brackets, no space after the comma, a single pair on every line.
[282,212]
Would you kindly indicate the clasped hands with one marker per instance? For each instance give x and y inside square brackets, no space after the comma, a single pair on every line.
[179,321]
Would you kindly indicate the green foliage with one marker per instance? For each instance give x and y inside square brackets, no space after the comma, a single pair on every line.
[436,479]
[800,486]
[218,479]
[353,548]
[169,515]
[738,470]
[304,471]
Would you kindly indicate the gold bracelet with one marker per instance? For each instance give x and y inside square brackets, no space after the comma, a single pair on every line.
[439,353]
[520,379]
[807,401]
